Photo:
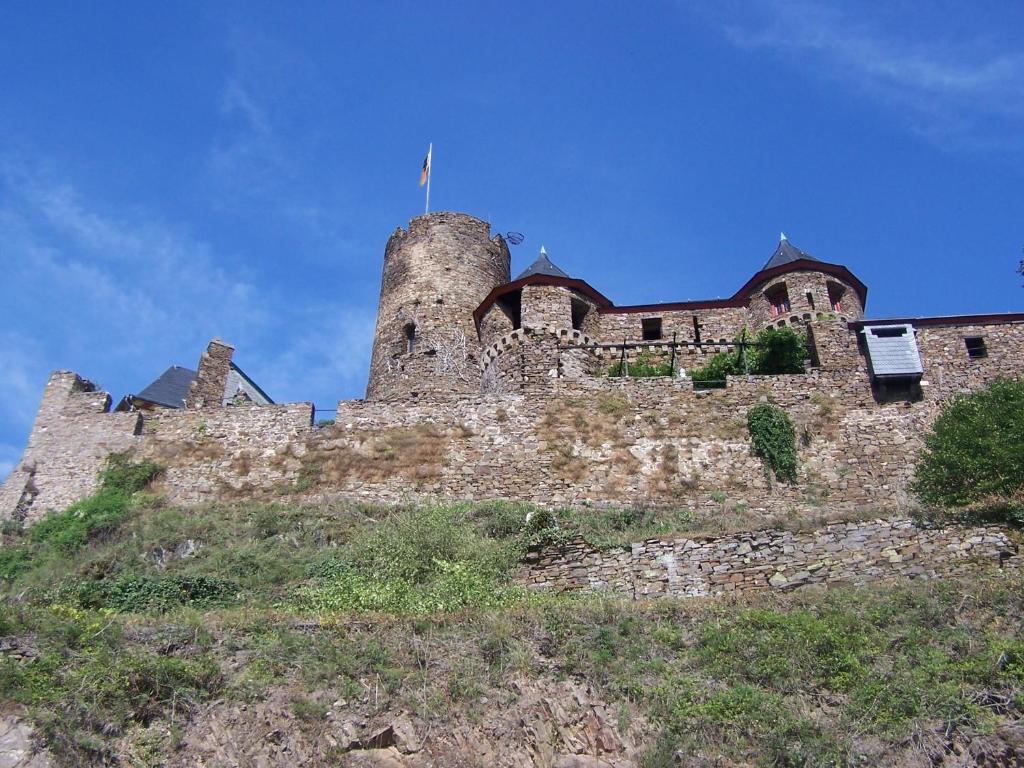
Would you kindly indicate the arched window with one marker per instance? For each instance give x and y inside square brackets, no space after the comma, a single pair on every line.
[835,296]
[778,300]
[410,337]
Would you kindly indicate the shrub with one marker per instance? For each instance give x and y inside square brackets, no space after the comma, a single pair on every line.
[773,351]
[974,453]
[133,594]
[644,366]
[429,558]
[778,350]
[774,440]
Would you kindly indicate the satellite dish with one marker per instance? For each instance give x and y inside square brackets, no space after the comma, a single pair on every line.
[514,238]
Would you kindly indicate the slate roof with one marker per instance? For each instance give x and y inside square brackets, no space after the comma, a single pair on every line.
[785,253]
[170,389]
[542,266]
[892,350]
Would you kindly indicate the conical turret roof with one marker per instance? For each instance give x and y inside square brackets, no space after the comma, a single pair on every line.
[542,266]
[785,253]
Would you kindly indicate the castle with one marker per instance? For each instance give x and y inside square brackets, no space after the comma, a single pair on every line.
[483,386]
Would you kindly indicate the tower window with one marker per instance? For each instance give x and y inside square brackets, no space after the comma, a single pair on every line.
[835,296]
[976,347]
[778,299]
[579,313]
[696,330]
[651,327]
[409,331]
[810,300]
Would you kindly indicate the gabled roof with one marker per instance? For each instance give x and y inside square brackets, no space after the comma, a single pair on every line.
[170,388]
[542,266]
[785,253]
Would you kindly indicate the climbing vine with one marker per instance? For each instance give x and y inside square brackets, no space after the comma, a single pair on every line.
[774,440]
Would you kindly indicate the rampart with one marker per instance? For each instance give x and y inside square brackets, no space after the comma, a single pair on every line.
[563,436]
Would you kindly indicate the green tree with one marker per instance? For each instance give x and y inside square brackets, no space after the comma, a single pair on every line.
[975,450]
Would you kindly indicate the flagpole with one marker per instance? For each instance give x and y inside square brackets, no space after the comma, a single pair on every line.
[430,171]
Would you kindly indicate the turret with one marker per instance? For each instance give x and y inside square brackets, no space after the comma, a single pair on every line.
[794,288]
[435,275]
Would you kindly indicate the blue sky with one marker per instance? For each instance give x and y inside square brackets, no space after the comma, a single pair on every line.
[173,172]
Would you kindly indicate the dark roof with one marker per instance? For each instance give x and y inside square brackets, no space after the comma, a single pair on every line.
[785,253]
[170,388]
[542,266]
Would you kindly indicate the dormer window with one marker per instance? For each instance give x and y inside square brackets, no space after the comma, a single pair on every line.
[778,300]
[836,292]
[651,327]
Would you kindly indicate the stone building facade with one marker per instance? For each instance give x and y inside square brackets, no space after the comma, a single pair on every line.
[486,387]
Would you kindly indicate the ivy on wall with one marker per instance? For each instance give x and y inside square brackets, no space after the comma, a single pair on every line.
[774,440]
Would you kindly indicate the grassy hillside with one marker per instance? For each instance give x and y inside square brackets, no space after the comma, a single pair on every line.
[130,626]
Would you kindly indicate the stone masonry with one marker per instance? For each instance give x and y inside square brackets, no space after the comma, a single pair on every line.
[842,553]
[207,389]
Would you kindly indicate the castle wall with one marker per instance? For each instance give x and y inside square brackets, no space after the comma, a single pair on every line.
[554,433]
[719,324]
[842,553]
[72,436]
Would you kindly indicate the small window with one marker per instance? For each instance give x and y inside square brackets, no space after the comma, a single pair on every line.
[651,328]
[778,298]
[810,300]
[976,347]
[410,337]
[696,330]
[836,293]
[579,313]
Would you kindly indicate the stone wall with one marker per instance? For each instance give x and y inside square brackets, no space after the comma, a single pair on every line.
[209,388]
[551,432]
[842,553]
[72,436]
[716,324]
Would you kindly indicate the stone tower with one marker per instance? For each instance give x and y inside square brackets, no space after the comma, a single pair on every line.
[435,275]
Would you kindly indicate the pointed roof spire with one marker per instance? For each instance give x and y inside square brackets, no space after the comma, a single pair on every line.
[785,253]
[542,266]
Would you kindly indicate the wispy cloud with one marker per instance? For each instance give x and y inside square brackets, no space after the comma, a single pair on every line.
[120,294]
[953,89]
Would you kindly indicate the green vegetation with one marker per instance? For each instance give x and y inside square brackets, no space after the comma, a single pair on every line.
[974,455]
[774,440]
[128,623]
[773,351]
[644,366]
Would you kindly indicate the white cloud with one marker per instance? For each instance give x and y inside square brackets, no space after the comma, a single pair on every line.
[953,90]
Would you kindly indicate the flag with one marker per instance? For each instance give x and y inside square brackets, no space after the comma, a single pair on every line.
[425,174]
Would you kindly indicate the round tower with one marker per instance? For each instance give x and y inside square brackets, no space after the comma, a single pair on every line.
[435,275]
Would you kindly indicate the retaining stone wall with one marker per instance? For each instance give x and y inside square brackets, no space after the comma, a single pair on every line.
[843,553]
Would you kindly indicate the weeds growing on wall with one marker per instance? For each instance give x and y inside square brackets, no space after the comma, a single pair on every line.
[774,440]
[62,533]
[973,458]
[645,365]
